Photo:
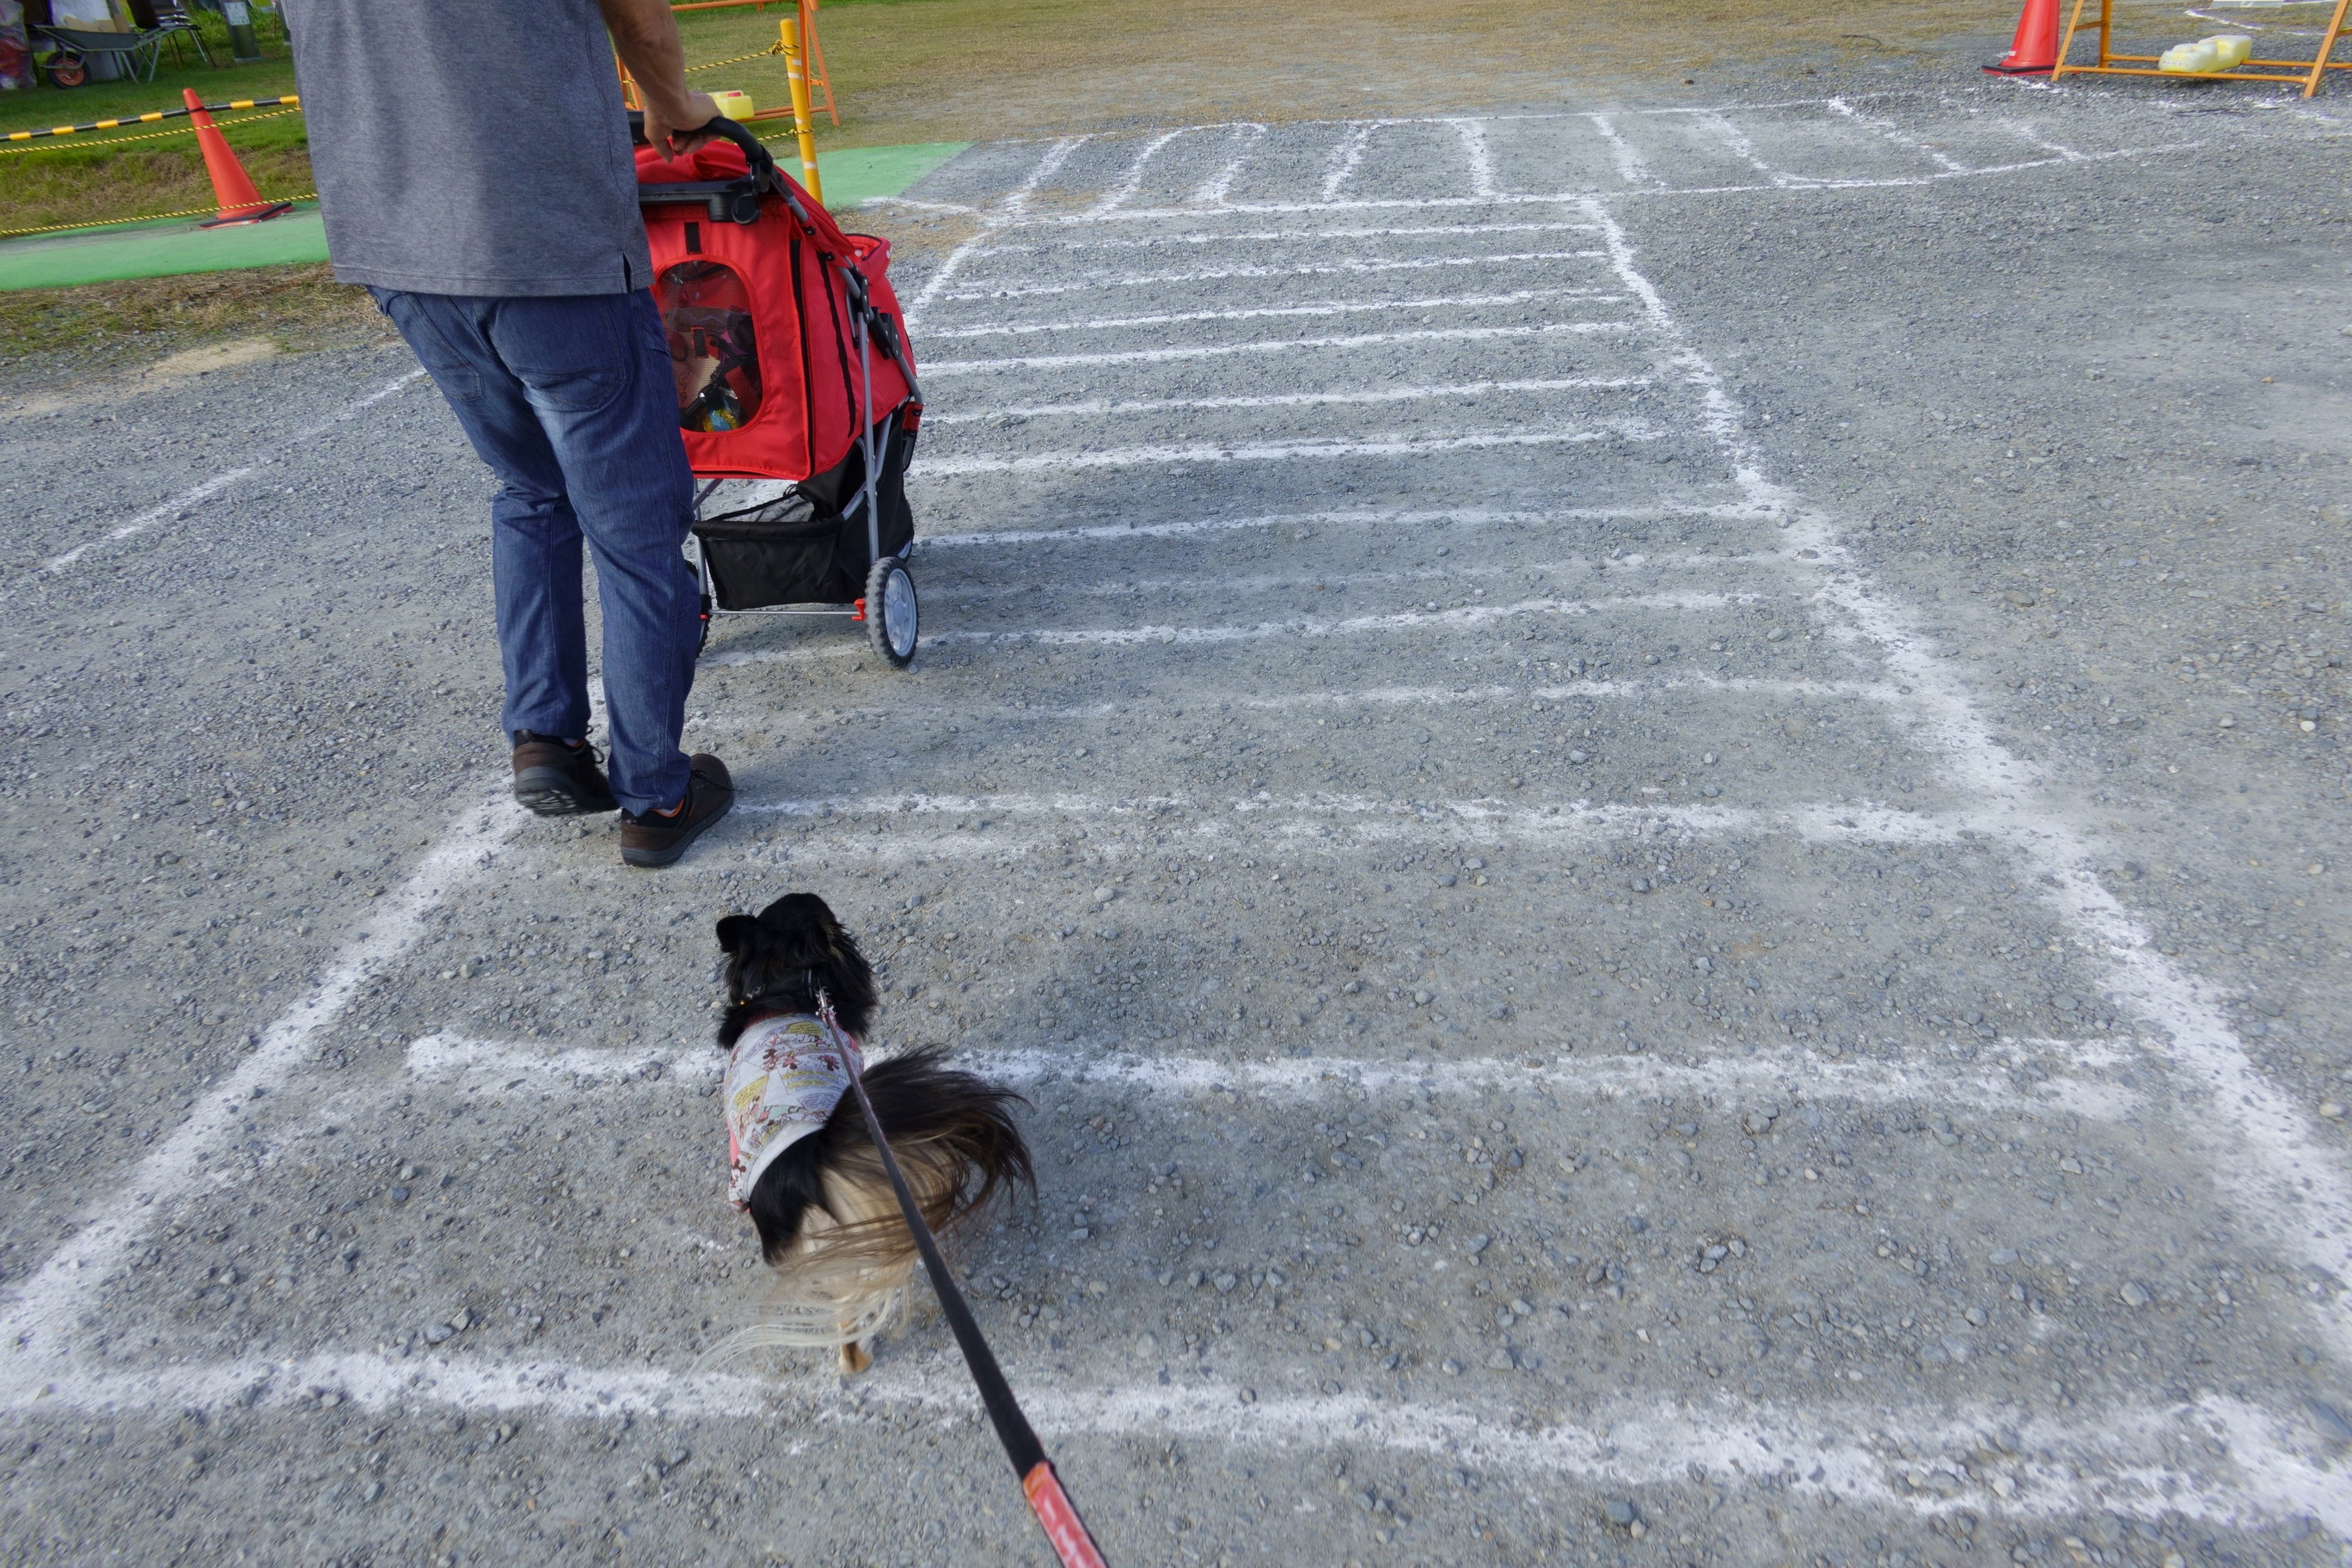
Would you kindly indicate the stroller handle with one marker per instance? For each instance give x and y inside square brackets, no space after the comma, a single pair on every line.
[755,151]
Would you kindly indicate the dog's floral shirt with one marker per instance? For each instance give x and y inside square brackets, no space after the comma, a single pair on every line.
[783,1082]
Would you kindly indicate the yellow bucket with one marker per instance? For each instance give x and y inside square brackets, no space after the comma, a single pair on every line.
[733,104]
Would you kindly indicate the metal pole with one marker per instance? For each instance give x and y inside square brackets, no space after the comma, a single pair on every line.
[796,72]
[866,438]
[242,41]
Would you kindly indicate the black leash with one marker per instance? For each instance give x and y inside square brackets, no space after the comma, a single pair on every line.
[1063,1528]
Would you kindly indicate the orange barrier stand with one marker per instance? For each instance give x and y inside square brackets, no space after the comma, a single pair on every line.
[820,83]
[2310,72]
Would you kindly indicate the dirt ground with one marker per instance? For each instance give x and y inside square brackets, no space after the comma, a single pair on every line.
[929,70]
[1647,797]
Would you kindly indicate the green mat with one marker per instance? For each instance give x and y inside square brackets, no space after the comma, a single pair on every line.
[164,248]
[858,174]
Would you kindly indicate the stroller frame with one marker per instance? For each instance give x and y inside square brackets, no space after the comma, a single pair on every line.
[889,608]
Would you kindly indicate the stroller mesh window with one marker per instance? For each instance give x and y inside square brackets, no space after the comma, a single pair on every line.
[707,314]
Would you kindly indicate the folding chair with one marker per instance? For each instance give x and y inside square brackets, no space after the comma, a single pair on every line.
[173,22]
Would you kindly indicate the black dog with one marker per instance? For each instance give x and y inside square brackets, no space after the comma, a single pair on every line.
[804,1167]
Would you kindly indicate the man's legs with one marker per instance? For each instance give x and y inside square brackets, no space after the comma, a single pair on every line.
[569,401]
[598,375]
[534,537]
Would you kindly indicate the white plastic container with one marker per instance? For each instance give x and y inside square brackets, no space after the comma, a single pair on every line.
[2220,52]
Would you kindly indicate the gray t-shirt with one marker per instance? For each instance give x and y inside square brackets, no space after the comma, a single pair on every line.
[469,146]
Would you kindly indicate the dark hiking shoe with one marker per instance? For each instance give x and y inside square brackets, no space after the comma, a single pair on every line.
[653,840]
[556,780]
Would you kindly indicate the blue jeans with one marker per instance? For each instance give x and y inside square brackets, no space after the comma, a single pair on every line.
[569,401]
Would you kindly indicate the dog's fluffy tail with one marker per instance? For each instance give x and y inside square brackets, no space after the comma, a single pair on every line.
[844,1276]
[842,1267]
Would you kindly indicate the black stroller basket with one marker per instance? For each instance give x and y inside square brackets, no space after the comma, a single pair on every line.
[811,546]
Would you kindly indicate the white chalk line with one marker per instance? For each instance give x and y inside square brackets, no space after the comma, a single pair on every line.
[1998,91]
[444,1056]
[221,481]
[1894,133]
[2260,1144]
[1346,267]
[1305,626]
[1735,141]
[1319,236]
[2024,131]
[1577,197]
[1009,837]
[37,1327]
[1483,819]
[1133,181]
[1739,511]
[1211,452]
[1632,167]
[1278,313]
[1284,346]
[1094,407]
[1346,155]
[1308,580]
[913,205]
[1793,1078]
[1478,156]
[1541,697]
[1009,210]
[1214,190]
[2116,1462]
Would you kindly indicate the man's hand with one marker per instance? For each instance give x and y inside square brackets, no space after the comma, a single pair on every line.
[670,134]
[645,35]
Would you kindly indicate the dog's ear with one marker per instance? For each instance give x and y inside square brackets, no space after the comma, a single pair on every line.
[733,931]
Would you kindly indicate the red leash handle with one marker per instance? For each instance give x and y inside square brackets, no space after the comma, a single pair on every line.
[1056,1513]
[1063,1528]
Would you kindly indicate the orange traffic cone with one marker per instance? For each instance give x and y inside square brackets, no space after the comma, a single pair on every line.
[2034,51]
[240,201]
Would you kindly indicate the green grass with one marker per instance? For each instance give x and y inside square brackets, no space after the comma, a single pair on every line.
[268,77]
[99,177]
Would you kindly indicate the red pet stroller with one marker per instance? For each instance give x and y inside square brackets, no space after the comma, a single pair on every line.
[774,318]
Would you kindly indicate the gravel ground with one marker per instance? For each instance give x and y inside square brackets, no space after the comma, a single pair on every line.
[1650,803]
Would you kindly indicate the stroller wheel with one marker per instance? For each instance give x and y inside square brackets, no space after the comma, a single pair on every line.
[890,611]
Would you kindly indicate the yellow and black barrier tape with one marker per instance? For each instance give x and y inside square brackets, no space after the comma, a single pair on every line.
[143,217]
[289,99]
[149,136]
